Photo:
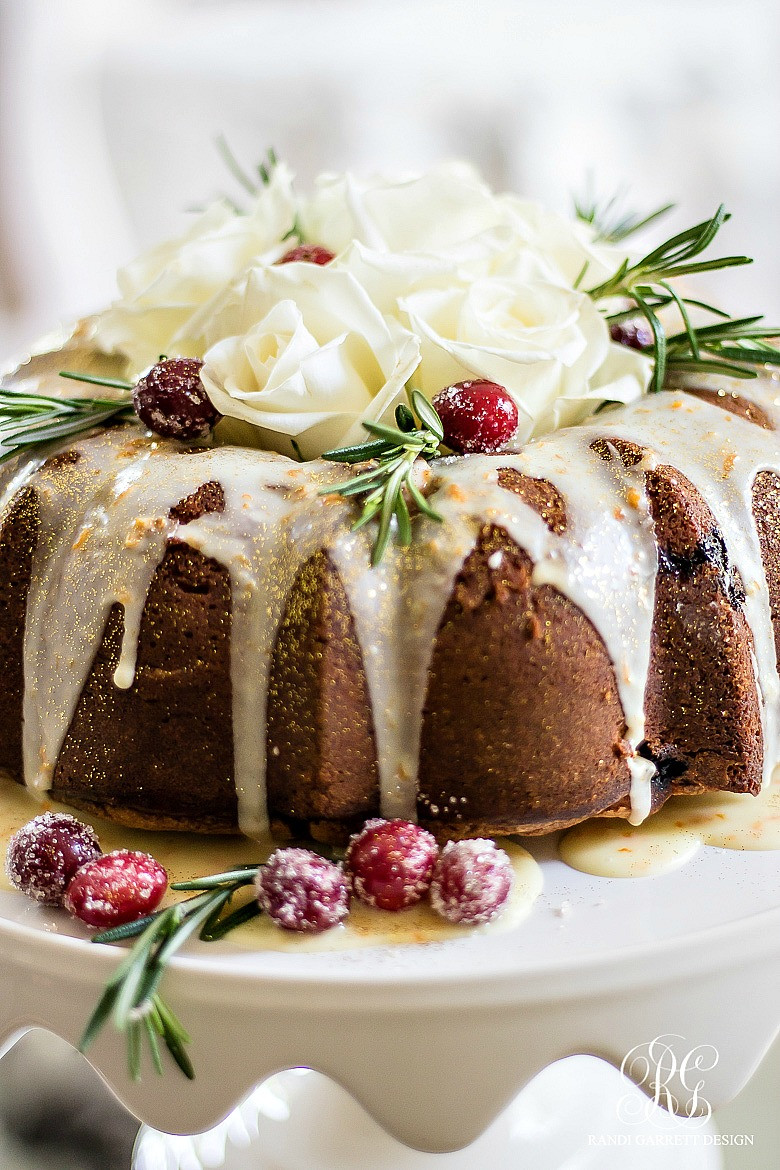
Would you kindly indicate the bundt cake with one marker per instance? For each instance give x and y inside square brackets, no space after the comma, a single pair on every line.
[195,639]
[204,626]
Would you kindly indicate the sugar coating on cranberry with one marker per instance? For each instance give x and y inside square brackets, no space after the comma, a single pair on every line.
[472,882]
[116,888]
[308,254]
[390,864]
[302,891]
[478,417]
[635,333]
[172,401]
[46,853]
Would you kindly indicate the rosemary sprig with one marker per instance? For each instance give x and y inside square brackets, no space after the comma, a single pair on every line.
[730,346]
[611,224]
[28,420]
[131,998]
[265,170]
[383,487]
[677,256]
[99,379]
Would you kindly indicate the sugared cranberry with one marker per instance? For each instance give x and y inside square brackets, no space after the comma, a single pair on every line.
[635,333]
[172,400]
[471,882]
[390,863]
[118,887]
[45,854]
[302,891]
[309,254]
[477,416]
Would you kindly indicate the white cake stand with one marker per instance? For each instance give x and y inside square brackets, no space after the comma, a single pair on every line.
[435,1041]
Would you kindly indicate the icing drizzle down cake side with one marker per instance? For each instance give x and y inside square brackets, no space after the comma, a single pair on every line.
[198,640]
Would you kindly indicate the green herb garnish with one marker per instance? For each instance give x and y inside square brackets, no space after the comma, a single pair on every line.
[612,225]
[28,420]
[131,998]
[731,346]
[383,487]
[265,170]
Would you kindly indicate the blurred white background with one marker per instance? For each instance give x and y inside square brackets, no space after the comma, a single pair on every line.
[109,110]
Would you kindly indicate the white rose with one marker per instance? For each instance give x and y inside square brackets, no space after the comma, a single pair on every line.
[161,290]
[423,213]
[450,215]
[389,277]
[568,245]
[433,270]
[548,345]
[300,352]
[527,242]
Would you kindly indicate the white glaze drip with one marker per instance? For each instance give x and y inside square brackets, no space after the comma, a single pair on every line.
[100,540]
[376,599]
[605,560]
[721,454]
[273,522]
[106,522]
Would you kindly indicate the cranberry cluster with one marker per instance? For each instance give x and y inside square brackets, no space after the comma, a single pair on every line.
[389,865]
[57,860]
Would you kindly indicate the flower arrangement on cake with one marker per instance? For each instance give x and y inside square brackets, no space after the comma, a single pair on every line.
[308,321]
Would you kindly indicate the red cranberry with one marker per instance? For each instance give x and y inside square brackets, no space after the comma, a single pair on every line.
[477,416]
[309,254]
[390,863]
[635,333]
[116,888]
[302,891]
[45,854]
[472,882]
[171,400]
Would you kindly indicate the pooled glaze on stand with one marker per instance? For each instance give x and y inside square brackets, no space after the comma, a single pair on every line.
[188,855]
[610,848]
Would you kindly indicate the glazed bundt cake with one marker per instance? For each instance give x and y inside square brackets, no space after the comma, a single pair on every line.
[512,615]
[197,640]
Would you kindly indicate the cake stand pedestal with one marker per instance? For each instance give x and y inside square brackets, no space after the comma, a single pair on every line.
[568,1118]
[435,1041]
